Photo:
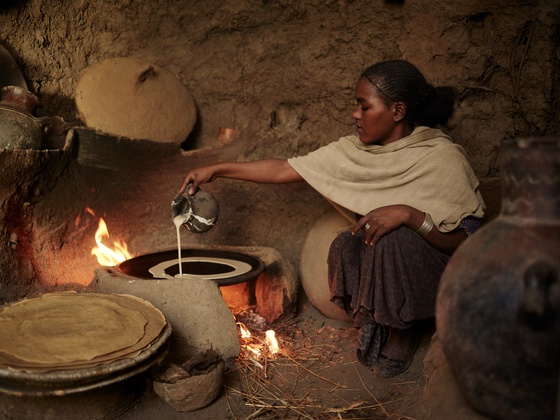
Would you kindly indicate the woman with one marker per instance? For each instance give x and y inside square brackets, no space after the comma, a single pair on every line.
[413,196]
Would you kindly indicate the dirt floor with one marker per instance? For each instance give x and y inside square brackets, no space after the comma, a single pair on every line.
[314,376]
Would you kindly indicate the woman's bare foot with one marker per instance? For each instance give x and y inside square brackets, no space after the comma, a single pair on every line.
[396,356]
[401,344]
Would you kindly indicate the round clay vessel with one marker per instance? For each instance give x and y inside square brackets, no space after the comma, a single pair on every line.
[314,273]
[19,129]
[200,211]
[127,96]
[498,306]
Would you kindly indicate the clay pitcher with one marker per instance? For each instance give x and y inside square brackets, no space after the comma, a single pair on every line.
[498,305]
[19,128]
[198,212]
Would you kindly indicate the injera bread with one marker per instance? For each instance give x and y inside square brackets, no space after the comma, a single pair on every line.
[70,330]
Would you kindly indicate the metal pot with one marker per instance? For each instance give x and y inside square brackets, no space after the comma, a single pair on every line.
[19,128]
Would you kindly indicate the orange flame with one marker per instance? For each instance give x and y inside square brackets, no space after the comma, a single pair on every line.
[108,256]
[245,333]
[256,349]
[271,342]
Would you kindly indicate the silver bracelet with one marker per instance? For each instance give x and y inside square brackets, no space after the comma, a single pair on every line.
[426,227]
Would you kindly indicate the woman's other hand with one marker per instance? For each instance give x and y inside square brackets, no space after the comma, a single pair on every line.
[383,220]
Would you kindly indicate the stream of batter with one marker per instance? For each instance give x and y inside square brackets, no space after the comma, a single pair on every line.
[178,221]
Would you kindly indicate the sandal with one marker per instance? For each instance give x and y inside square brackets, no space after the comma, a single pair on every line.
[389,368]
[386,367]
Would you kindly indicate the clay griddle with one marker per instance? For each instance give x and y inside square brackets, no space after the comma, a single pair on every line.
[139,266]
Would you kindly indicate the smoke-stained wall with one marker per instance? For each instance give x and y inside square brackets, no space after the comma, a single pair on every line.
[282,74]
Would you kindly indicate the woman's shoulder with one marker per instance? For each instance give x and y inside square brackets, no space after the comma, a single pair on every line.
[435,138]
[336,148]
[350,138]
[423,132]
[345,143]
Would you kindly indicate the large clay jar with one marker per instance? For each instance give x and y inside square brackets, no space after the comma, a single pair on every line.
[19,128]
[498,306]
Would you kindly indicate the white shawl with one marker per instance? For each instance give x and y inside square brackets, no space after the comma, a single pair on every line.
[425,170]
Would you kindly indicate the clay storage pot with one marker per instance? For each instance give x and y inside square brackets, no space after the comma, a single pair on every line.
[19,128]
[130,97]
[498,306]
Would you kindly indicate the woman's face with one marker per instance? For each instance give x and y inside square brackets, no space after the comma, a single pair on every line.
[375,123]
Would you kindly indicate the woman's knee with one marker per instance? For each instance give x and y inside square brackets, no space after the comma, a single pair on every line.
[346,240]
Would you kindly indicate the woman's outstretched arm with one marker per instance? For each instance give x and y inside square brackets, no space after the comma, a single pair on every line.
[266,171]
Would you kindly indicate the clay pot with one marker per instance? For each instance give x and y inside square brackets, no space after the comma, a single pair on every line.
[198,212]
[498,306]
[130,97]
[10,73]
[19,129]
[314,271]
[194,385]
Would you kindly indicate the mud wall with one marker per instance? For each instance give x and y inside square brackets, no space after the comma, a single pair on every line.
[282,74]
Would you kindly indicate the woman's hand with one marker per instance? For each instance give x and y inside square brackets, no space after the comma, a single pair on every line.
[196,177]
[383,220]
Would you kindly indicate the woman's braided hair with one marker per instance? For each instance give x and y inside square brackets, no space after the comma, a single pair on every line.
[401,81]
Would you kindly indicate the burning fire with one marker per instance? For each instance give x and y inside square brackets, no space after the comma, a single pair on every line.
[271,342]
[245,333]
[253,348]
[105,255]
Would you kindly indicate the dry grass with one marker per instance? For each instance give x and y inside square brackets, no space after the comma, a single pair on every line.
[301,381]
